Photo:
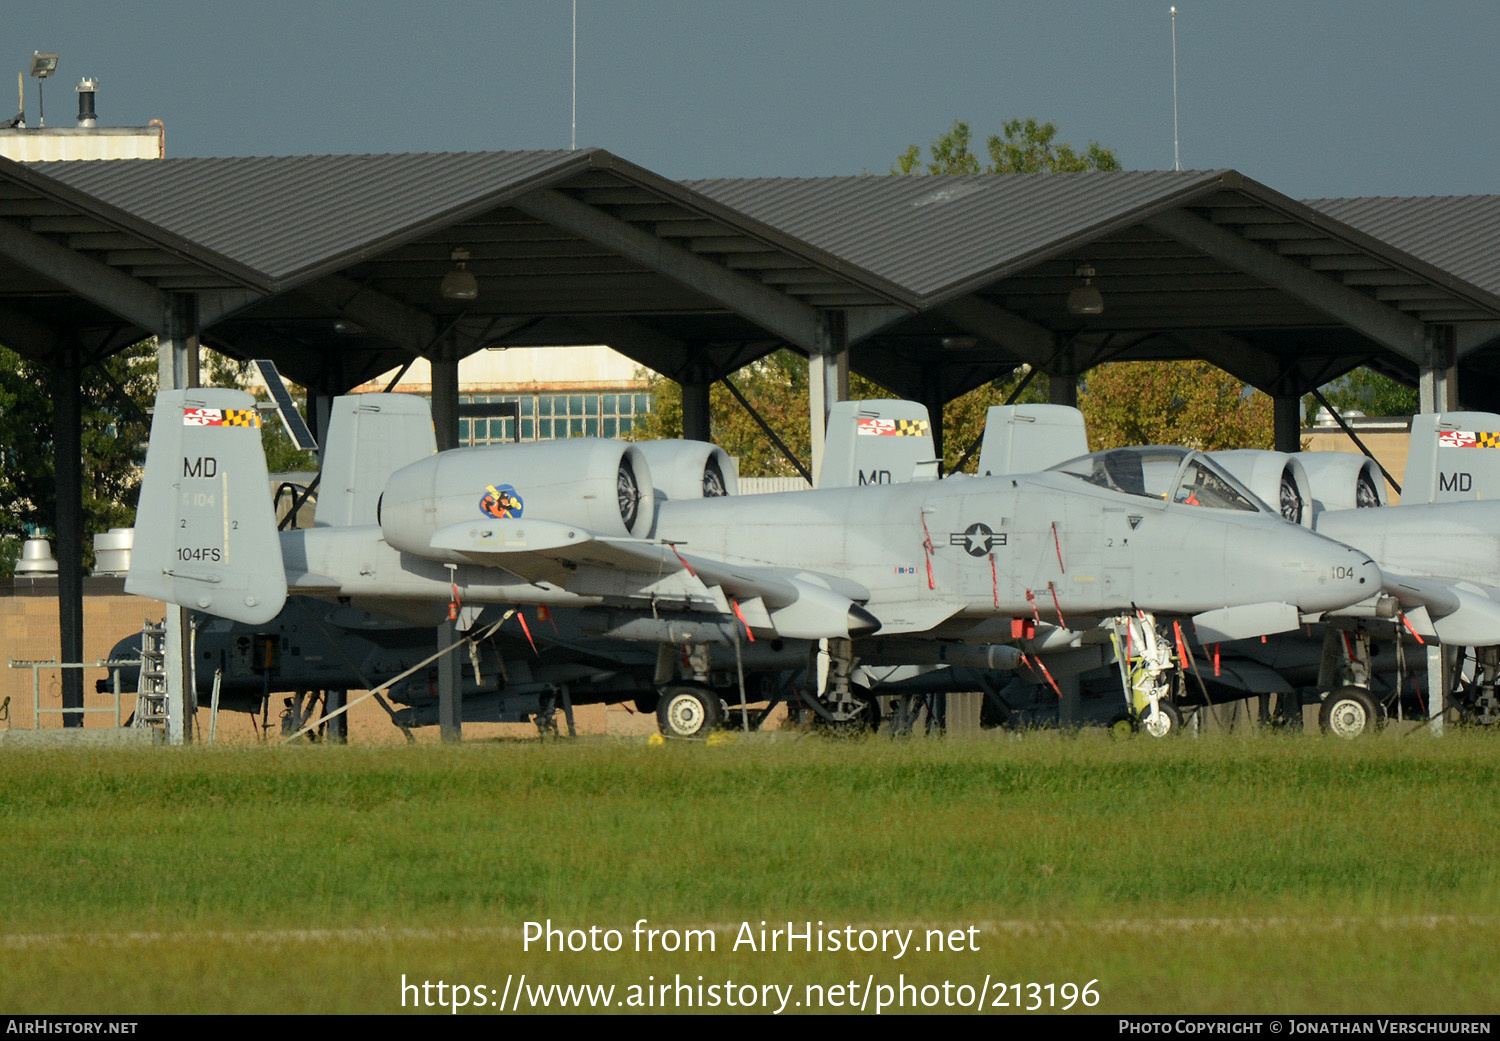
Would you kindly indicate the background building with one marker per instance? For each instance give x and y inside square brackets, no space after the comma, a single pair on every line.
[579,392]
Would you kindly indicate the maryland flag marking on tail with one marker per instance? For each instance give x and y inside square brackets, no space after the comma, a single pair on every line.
[220,417]
[1469,439]
[892,427]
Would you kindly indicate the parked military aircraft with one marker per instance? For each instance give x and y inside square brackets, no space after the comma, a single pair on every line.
[1439,553]
[627,530]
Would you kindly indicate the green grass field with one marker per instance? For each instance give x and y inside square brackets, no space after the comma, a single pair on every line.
[1275,874]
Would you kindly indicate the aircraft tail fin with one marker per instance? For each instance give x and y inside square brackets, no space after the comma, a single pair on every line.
[369,437]
[205,534]
[1452,456]
[1021,439]
[877,442]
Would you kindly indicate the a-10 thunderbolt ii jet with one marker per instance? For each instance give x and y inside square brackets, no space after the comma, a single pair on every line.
[626,531]
[1439,551]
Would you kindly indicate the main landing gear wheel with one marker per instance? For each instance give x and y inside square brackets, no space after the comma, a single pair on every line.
[1164,721]
[1349,712]
[688,712]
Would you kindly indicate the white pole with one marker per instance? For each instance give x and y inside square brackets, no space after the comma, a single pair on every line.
[1176,151]
[574,141]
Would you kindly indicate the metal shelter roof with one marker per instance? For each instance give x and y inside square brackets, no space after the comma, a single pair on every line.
[1456,233]
[71,262]
[1204,264]
[568,247]
[331,264]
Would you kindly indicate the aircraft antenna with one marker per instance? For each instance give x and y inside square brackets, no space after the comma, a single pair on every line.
[1176,151]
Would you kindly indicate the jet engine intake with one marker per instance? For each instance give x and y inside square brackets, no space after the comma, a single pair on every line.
[1344,480]
[1279,479]
[689,470]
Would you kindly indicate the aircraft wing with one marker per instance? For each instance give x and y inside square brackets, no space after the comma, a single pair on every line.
[792,603]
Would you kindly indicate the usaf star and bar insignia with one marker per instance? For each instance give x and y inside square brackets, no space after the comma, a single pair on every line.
[977,539]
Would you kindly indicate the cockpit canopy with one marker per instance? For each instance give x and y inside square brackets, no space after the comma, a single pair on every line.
[1167,473]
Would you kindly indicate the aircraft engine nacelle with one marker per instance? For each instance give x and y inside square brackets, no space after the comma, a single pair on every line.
[1277,478]
[683,470]
[1344,480]
[600,485]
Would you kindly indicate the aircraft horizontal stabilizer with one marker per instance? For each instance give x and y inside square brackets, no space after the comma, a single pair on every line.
[1245,621]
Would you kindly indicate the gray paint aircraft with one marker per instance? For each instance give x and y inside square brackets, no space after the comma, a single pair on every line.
[1439,551]
[609,525]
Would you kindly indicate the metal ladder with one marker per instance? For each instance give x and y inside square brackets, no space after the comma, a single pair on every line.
[151,688]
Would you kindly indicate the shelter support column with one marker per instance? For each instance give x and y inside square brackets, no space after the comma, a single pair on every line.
[932,400]
[319,412]
[1286,420]
[1440,662]
[1437,379]
[696,423]
[177,369]
[445,422]
[450,696]
[827,378]
[337,732]
[67,441]
[444,362]
[1070,702]
[1062,380]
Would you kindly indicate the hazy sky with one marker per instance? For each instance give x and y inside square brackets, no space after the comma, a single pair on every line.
[1376,97]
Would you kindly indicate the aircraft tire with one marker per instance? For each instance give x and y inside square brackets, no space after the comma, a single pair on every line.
[1349,712]
[688,711]
[1166,721]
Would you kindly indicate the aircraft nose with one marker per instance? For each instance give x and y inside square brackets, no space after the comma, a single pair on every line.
[1345,576]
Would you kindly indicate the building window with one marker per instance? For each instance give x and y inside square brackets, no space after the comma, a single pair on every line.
[547,417]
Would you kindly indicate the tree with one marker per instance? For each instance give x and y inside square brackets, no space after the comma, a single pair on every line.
[964,416]
[1188,403]
[115,395]
[776,386]
[1369,392]
[282,456]
[1026,147]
